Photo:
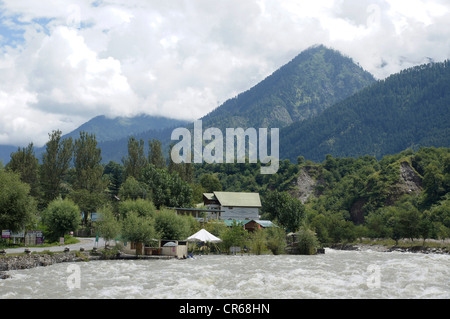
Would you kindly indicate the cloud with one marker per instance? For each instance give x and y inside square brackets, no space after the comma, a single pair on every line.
[63,64]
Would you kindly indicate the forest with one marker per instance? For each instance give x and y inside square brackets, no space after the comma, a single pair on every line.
[351,197]
[407,109]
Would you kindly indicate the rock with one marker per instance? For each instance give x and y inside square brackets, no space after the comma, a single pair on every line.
[4,275]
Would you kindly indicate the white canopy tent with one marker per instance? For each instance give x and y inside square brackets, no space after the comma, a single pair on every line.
[204,236]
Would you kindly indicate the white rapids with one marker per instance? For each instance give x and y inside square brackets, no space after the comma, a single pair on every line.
[335,274]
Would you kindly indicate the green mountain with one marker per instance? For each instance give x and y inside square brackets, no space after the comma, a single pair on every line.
[115,150]
[407,110]
[112,134]
[314,80]
[111,129]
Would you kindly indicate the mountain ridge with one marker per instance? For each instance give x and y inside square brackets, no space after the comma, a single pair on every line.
[112,134]
[408,109]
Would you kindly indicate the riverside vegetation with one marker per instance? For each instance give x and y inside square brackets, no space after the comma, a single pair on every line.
[400,196]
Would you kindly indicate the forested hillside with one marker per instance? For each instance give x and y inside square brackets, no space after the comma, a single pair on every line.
[405,195]
[408,109]
[301,89]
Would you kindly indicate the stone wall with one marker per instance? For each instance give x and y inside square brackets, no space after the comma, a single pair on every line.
[36,260]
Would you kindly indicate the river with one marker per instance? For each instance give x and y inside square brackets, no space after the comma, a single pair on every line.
[335,274]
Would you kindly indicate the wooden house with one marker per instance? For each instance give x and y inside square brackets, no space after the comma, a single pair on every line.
[234,205]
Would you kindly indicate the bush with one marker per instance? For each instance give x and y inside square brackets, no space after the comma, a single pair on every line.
[233,236]
[307,242]
[257,241]
[276,240]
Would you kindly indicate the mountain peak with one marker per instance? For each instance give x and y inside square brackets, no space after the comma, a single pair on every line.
[301,89]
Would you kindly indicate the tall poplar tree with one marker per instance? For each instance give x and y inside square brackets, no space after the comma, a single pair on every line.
[88,186]
[25,163]
[55,165]
[155,156]
[135,161]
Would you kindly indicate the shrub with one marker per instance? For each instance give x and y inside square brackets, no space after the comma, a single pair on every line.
[307,242]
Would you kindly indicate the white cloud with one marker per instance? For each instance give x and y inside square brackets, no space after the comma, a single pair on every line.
[70,62]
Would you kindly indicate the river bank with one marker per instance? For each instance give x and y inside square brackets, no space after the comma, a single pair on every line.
[391,248]
[32,260]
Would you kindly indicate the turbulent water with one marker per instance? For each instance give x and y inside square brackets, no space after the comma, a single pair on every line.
[335,274]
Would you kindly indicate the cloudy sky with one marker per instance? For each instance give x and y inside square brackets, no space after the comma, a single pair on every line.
[64,62]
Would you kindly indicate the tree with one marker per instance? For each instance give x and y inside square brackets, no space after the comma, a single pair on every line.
[408,220]
[143,207]
[138,229]
[167,189]
[288,211]
[88,185]
[155,156]
[55,165]
[169,225]
[17,208]
[135,161]
[184,170]
[114,172]
[87,160]
[61,216]
[108,226]
[433,182]
[319,223]
[133,189]
[26,164]
[210,183]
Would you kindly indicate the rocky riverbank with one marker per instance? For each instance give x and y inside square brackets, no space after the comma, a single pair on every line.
[32,260]
[45,259]
[381,248]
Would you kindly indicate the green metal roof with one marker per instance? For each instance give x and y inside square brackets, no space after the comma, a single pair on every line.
[209,196]
[229,222]
[264,223]
[239,199]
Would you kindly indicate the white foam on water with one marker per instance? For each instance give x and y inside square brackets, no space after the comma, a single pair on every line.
[335,274]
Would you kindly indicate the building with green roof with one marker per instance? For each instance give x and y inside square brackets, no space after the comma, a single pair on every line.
[234,205]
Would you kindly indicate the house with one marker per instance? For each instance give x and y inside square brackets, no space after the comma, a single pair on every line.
[250,225]
[199,214]
[234,205]
[258,224]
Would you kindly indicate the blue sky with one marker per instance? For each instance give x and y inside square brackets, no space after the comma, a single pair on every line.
[64,62]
